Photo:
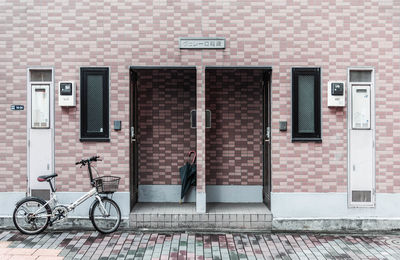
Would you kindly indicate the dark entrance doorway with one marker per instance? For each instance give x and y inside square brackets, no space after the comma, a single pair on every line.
[161,99]
[238,141]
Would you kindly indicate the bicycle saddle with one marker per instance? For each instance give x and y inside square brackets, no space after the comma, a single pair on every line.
[42,178]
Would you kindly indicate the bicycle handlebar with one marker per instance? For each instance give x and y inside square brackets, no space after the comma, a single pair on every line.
[91,159]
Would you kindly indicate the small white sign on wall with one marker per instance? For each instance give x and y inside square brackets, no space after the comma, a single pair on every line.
[202,43]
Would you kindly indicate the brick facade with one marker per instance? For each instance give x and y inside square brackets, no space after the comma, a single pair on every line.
[333,35]
[234,141]
[164,136]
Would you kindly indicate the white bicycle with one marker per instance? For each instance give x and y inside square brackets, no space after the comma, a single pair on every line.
[32,215]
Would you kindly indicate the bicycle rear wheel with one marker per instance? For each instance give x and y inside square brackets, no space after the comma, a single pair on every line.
[31,216]
[105,220]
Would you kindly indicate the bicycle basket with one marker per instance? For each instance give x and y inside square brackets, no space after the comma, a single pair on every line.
[106,184]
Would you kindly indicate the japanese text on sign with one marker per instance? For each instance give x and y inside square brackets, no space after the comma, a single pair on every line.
[202,43]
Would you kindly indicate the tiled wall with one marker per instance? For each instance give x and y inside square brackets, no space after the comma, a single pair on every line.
[165,99]
[234,141]
[333,35]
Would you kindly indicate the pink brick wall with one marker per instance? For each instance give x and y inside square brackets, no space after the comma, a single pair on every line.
[164,136]
[331,34]
[234,141]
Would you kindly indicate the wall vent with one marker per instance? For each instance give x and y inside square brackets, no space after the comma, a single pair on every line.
[361,196]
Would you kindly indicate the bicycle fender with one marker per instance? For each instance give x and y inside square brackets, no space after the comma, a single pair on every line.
[91,207]
[48,209]
[28,198]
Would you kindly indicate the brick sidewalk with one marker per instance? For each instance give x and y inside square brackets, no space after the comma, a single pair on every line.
[127,245]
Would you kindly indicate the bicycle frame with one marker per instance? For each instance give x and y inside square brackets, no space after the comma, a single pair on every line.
[86,196]
[72,206]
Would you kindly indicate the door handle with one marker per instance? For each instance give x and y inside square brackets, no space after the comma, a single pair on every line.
[268,134]
[133,137]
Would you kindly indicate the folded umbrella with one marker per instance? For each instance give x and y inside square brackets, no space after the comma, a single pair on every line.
[188,175]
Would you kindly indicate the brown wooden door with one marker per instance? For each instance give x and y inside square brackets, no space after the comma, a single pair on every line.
[266,84]
[133,144]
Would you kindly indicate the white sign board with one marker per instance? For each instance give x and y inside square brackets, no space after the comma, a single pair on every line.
[202,43]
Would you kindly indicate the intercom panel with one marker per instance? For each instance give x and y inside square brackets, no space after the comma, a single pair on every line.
[336,94]
[67,94]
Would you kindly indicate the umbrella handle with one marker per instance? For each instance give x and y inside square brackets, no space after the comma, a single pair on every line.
[194,158]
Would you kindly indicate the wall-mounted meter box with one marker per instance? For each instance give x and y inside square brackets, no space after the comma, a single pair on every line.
[361,106]
[67,94]
[336,94]
[40,106]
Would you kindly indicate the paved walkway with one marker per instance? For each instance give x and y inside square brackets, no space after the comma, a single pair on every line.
[129,245]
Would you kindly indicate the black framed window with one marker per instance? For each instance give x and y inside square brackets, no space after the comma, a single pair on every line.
[95,104]
[306,104]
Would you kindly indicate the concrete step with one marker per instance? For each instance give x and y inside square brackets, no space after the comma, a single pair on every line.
[219,216]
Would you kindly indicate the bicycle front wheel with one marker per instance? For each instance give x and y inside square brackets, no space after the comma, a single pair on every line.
[105,216]
[31,216]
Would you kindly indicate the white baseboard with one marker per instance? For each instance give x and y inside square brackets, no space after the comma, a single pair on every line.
[297,205]
[215,193]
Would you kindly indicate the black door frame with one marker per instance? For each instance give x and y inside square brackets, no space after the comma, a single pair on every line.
[133,122]
[266,85]
[265,82]
[133,154]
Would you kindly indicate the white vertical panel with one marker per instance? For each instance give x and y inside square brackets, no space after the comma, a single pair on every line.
[361,146]
[40,132]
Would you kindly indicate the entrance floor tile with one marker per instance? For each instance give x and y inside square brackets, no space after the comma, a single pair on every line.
[219,216]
